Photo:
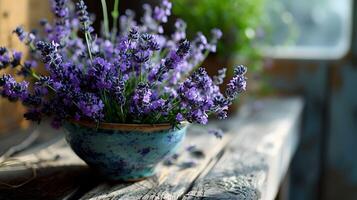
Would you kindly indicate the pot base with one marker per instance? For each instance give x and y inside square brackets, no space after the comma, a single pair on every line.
[133,180]
[126,175]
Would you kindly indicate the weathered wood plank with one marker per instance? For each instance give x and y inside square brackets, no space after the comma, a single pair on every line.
[308,78]
[47,171]
[254,163]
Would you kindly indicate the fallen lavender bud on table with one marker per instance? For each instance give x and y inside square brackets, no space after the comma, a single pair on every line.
[195,152]
[218,133]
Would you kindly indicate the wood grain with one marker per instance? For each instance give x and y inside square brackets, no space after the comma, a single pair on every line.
[26,13]
[255,162]
[48,171]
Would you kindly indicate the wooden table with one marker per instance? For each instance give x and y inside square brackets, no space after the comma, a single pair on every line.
[249,162]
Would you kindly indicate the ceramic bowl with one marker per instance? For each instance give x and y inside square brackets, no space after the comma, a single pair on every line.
[125,152]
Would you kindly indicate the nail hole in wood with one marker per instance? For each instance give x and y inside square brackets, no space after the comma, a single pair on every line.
[5,14]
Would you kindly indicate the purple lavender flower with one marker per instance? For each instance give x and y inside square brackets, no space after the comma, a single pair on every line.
[240,70]
[148,42]
[16,58]
[61,30]
[44,80]
[13,90]
[183,49]
[157,105]
[49,52]
[180,33]
[3,50]
[138,76]
[201,41]
[220,77]
[91,106]
[152,19]
[200,96]
[141,100]
[174,58]
[48,29]
[216,34]
[34,100]
[133,33]
[118,91]
[198,116]
[33,115]
[218,133]
[84,17]
[179,117]
[238,84]
[162,12]
[27,67]
[60,9]
[127,22]
[221,106]
[21,34]
[142,56]
[99,73]
[51,57]
[4,60]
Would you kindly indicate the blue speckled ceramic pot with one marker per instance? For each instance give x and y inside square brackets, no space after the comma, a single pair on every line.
[125,152]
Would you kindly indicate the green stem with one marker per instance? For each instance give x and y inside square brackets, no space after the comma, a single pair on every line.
[34,75]
[115,16]
[32,46]
[122,114]
[156,118]
[88,46]
[105,17]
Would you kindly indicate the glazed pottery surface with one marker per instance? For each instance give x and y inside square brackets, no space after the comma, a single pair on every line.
[123,152]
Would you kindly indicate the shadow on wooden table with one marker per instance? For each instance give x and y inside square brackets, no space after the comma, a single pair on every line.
[59,182]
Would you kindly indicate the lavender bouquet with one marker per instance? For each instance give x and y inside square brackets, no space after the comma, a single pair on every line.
[129,73]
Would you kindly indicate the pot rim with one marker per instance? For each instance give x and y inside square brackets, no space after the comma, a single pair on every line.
[127,127]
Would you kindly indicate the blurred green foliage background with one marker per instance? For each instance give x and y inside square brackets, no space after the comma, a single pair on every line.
[241,22]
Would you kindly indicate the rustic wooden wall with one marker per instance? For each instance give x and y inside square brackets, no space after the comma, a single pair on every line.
[13,13]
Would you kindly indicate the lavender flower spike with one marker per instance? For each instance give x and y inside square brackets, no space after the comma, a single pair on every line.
[84,17]
[238,84]
[162,12]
